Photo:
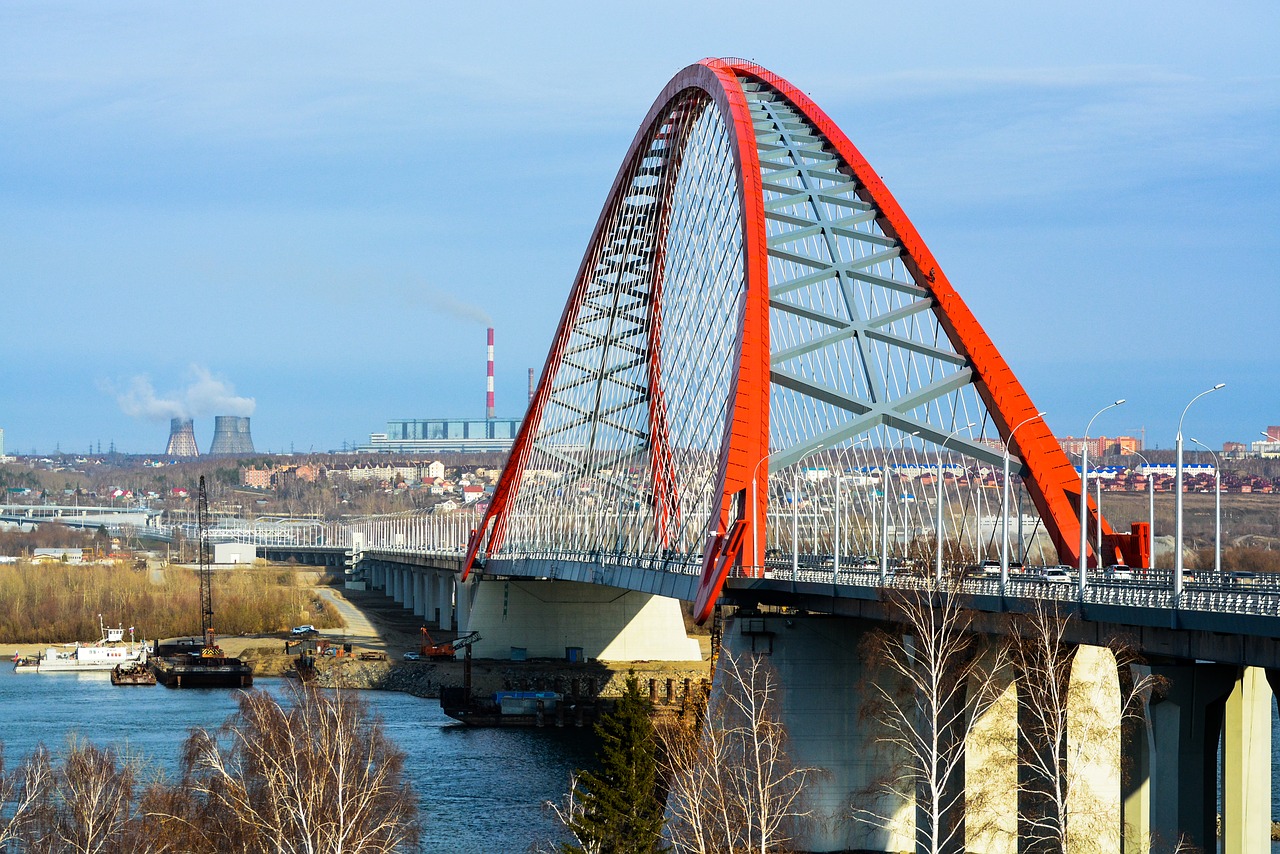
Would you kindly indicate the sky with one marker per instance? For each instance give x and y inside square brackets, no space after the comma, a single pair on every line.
[309,212]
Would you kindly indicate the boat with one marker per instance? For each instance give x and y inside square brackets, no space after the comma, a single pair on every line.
[103,654]
[133,673]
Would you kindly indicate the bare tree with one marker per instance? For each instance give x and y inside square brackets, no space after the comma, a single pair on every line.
[20,792]
[314,776]
[930,688]
[570,813]
[83,804]
[1074,709]
[730,784]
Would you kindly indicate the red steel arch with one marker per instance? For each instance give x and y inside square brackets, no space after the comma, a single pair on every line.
[1052,482]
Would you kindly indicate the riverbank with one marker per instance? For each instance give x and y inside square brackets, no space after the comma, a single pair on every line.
[376,624]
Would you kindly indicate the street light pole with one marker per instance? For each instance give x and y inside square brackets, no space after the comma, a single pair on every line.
[795,515]
[1177,496]
[937,559]
[1004,506]
[1217,508]
[884,515]
[1084,499]
[755,536]
[1151,512]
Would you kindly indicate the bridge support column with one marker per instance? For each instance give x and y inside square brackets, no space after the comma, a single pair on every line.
[817,659]
[444,599]
[429,585]
[546,618]
[1185,724]
[1137,747]
[1093,748]
[991,760]
[419,600]
[397,585]
[1246,766]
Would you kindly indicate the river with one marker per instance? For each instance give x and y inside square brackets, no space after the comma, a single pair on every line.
[480,790]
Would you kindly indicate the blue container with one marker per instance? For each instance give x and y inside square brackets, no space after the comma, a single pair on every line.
[573,653]
[519,653]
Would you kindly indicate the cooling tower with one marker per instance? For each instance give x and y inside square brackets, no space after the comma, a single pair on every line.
[182,439]
[231,436]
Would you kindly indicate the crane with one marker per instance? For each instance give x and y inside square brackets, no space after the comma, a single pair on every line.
[211,648]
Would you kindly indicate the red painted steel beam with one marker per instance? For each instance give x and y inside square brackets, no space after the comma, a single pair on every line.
[1053,483]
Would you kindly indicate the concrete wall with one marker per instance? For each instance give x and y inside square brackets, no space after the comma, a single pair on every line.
[546,617]
[224,553]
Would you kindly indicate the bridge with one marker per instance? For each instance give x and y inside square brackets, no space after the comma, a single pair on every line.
[765,392]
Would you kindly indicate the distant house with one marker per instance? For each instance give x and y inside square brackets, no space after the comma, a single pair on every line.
[57,555]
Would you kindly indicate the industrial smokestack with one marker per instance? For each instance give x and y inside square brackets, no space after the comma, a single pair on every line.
[182,439]
[231,436]
[488,400]
[531,385]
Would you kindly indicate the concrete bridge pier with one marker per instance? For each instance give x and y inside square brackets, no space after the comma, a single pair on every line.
[991,756]
[1180,754]
[1246,765]
[548,618]
[419,599]
[824,706]
[444,600]
[429,585]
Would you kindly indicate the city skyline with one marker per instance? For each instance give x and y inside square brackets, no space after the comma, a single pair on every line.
[276,199]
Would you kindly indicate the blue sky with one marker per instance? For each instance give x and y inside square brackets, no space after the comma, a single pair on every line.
[316,205]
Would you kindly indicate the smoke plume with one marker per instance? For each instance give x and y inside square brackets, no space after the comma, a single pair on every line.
[454,307]
[203,395]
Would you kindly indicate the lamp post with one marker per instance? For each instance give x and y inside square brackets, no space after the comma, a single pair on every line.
[1217,509]
[1004,506]
[937,557]
[795,515]
[755,537]
[1151,511]
[884,515]
[1177,497]
[835,559]
[1084,499]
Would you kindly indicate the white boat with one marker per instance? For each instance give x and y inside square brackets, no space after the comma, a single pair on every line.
[104,654]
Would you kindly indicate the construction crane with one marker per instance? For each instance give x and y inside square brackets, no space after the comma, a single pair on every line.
[211,648]
[447,650]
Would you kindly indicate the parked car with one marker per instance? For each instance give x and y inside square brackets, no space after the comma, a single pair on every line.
[412,656]
[300,631]
[1117,572]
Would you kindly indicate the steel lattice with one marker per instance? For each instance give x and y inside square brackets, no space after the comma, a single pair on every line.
[756,334]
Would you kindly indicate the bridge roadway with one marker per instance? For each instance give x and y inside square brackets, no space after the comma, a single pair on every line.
[1231,623]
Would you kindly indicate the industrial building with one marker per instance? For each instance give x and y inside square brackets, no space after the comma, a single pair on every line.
[444,435]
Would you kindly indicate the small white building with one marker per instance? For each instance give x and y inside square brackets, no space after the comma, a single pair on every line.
[230,553]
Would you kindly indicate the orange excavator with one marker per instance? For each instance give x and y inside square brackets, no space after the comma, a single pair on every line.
[447,650]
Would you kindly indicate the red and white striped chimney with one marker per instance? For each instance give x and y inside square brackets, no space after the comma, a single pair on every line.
[488,400]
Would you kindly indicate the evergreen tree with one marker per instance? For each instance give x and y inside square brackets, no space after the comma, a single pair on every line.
[621,804]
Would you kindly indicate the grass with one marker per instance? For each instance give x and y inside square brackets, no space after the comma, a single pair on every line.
[55,603]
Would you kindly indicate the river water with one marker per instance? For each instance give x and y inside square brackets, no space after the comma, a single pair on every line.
[481,790]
